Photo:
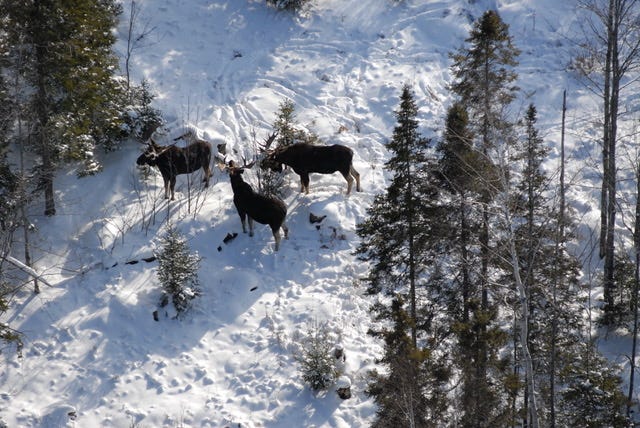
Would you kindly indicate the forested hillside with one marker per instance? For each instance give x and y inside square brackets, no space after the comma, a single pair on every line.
[467,256]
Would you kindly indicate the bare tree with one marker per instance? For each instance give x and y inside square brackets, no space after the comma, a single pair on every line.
[609,52]
[138,32]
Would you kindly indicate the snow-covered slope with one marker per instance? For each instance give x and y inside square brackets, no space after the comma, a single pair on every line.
[92,348]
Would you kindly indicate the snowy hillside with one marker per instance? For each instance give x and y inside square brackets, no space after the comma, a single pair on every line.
[94,356]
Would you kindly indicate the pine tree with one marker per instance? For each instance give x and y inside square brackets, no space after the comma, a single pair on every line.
[397,239]
[178,270]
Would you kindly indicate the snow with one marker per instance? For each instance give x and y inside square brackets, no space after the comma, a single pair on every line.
[93,354]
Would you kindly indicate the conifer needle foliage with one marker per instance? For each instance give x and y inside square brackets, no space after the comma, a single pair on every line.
[178,270]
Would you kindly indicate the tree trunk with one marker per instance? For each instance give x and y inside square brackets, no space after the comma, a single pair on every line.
[557,278]
[412,263]
[464,251]
[634,298]
[46,174]
[611,88]
[532,413]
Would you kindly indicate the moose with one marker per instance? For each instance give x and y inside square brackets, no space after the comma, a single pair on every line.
[172,161]
[261,208]
[305,158]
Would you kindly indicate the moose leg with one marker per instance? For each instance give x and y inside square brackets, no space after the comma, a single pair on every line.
[173,187]
[276,236]
[242,220]
[304,180]
[286,231]
[166,188]
[356,175]
[250,226]
[207,175]
[347,176]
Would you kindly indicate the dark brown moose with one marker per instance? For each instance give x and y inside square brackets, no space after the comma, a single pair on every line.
[173,161]
[261,208]
[306,158]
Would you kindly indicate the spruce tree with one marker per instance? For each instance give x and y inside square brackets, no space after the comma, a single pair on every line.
[398,240]
[178,270]
[413,392]
[547,272]
[549,275]
[592,396]
[64,52]
[10,202]
[484,84]
[399,223]
[461,170]
[287,133]
[317,363]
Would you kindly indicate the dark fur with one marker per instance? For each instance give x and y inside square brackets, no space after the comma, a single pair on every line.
[173,161]
[305,158]
[263,209]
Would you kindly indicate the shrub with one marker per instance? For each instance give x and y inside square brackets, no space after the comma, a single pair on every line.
[292,5]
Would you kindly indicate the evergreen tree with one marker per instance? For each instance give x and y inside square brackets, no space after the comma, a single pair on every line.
[547,272]
[398,227]
[484,78]
[63,50]
[284,124]
[142,119]
[412,393]
[9,203]
[462,174]
[484,84]
[549,276]
[178,270]
[461,170]
[592,397]
[397,238]
[316,359]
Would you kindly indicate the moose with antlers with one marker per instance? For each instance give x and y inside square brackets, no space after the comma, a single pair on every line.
[172,161]
[306,158]
[261,208]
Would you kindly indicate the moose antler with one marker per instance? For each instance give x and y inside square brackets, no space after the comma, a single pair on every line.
[247,165]
[265,147]
[225,166]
